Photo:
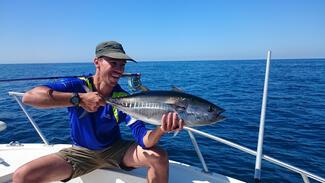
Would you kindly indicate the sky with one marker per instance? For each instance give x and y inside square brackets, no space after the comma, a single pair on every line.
[33,31]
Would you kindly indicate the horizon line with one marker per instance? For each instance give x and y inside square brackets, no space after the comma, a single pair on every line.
[139,61]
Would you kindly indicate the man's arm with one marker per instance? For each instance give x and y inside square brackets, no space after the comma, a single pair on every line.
[170,122]
[45,97]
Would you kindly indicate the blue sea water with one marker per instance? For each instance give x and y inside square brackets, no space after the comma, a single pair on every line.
[295,116]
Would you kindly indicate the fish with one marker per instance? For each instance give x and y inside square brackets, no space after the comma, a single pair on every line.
[149,107]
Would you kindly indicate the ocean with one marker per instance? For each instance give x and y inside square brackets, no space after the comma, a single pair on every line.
[294,124]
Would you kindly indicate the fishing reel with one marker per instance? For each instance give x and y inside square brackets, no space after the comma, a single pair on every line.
[134,83]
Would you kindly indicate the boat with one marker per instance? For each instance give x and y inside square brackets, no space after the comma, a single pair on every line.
[14,154]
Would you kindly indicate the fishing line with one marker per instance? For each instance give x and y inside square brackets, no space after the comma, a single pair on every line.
[61,77]
[134,82]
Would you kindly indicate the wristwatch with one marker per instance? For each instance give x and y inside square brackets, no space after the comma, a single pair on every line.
[75,99]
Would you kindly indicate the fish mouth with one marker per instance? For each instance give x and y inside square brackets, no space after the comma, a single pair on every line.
[220,110]
[220,118]
[217,119]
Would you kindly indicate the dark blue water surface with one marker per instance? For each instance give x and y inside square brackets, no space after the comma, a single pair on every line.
[295,117]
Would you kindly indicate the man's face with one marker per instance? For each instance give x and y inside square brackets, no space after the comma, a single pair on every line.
[110,69]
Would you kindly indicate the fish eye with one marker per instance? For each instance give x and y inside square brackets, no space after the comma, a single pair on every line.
[210,108]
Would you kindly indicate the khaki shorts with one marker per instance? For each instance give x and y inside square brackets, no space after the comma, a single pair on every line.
[84,160]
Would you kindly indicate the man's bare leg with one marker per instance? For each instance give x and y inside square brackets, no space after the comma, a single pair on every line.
[155,159]
[44,169]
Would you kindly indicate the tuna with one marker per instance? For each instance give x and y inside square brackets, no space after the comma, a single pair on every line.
[151,105]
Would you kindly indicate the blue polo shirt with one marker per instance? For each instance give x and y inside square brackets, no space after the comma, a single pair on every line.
[100,129]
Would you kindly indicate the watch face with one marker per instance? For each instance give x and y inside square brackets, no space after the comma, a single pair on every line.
[75,100]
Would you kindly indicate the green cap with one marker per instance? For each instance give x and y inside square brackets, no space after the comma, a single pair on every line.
[112,49]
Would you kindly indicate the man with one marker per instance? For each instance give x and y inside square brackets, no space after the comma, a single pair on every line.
[95,126]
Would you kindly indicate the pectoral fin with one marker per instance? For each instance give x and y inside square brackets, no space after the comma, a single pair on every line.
[174,88]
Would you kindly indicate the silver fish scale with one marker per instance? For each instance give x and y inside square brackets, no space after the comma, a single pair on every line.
[150,112]
[144,107]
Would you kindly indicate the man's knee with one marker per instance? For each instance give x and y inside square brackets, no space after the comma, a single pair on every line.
[22,175]
[160,158]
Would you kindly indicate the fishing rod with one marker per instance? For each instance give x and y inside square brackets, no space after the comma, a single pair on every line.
[134,81]
[61,77]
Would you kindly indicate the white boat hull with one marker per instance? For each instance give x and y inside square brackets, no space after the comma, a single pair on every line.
[11,157]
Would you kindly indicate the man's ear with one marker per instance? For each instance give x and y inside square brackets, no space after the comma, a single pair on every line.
[96,62]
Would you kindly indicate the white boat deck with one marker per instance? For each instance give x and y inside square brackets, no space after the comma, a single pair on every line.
[11,157]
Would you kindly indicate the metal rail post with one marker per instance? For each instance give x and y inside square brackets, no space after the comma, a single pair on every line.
[198,152]
[15,95]
[257,175]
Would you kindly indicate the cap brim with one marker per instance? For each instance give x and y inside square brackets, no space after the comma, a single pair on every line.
[118,55]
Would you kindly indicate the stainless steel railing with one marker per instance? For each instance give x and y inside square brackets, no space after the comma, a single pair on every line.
[305,174]
[16,96]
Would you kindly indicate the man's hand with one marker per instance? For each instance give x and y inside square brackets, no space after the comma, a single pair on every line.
[91,101]
[171,122]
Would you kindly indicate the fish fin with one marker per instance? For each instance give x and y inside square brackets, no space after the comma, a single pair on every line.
[175,134]
[179,109]
[84,113]
[144,89]
[174,88]
[132,120]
